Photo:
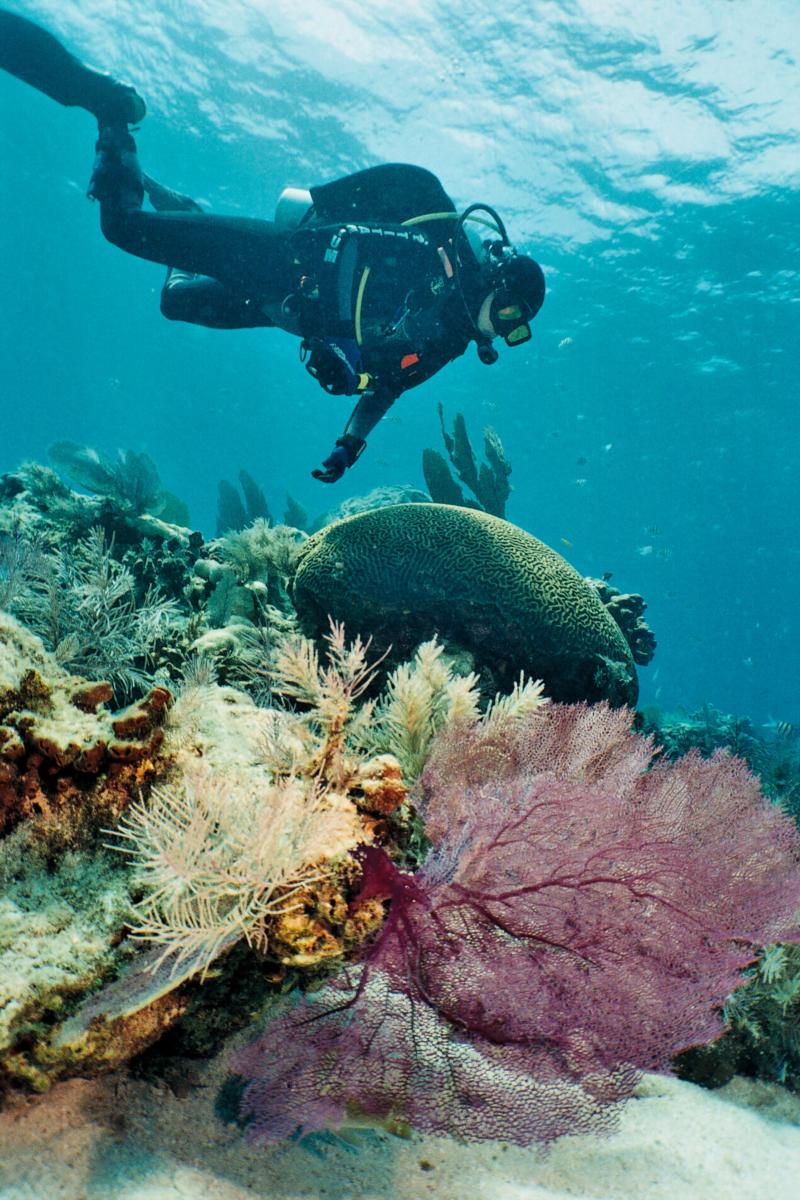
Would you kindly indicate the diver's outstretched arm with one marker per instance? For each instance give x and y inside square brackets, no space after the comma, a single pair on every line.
[371,408]
[38,58]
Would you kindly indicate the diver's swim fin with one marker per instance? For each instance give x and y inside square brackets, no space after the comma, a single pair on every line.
[37,58]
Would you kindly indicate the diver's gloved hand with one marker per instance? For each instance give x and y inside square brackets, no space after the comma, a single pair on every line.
[335,363]
[347,449]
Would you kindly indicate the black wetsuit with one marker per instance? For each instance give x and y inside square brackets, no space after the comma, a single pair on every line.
[361,280]
[352,270]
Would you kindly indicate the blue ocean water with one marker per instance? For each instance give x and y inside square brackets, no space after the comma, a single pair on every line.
[646,155]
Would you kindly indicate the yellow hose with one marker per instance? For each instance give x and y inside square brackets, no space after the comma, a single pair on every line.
[438,216]
[359,300]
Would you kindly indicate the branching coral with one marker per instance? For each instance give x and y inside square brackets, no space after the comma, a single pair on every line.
[582,917]
[131,480]
[21,560]
[262,552]
[83,604]
[764,1021]
[489,485]
[234,514]
[228,849]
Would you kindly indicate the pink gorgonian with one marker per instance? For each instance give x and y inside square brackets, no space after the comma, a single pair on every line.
[582,916]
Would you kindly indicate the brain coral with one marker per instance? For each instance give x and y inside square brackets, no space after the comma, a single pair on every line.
[404,572]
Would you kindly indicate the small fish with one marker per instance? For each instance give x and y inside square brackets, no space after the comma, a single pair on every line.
[566,542]
[567,341]
[644,550]
[653,530]
[608,446]
[664,553]
[747,662]
[607,575]
[782,730]
[581,482]
[581,461]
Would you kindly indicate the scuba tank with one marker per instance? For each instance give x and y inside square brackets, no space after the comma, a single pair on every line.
[294,205]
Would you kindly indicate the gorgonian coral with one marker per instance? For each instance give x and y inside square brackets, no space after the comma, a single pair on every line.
[582,917]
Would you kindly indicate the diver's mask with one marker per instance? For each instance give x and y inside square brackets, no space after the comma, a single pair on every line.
[519,294]
[510,317]
[516,280]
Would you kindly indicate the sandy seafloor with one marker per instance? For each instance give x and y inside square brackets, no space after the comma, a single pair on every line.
[118,1138]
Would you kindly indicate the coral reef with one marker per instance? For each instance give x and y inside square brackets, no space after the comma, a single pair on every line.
[379,497]
[68,767]
[248,836]
[64,757]
[627,609]
[764,1019]
[425,695]
[772,752]
[763,1027]
[471,578]
[275,828]
[121,595]
[233,512]
[582,916]
[489,483]
[84,605]
[264,553]
[763,1014]
[39,513]
[221,854]
[240,588]
[61,923]
[131,480]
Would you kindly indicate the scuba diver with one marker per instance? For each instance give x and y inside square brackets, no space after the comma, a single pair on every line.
[377,273]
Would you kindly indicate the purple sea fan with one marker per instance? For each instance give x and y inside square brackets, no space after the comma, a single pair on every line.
[580,919]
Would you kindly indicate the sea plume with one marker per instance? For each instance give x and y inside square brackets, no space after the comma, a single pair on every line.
[582,917]
[219,854]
